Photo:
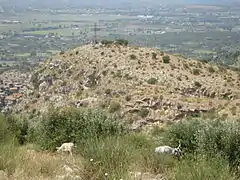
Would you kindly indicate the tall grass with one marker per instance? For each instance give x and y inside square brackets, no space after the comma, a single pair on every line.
[118,155]
[106,151]
[9,154]
[74,125]
[108,158]
[203,167]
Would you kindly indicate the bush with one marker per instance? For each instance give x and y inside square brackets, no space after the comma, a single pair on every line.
[185,132]
[133,57]
[166,59]
[106,42]
[221,137]
[114,106]
[152,81]
[210,137]
[69,124]
[13,127]
[154,55]
[122,42]
[197,84]
[196,71]
[211,69]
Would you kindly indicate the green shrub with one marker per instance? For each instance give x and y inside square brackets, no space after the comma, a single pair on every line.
[122,42]
[114,106]
[154,55]
[196,71]
[106,42]
[185,66]
[13,127]
[128,98]
[69,124]
[152,81]
[211,69]
[197,84]
[166,59]
[186,132]
[221,137]
[133,57]
[210,137]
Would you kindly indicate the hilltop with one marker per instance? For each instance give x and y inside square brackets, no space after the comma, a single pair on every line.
[141,84]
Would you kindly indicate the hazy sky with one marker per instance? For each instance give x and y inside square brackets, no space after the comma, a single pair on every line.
[53,3]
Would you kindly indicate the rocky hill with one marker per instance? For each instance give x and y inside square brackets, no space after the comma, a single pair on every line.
[142,84]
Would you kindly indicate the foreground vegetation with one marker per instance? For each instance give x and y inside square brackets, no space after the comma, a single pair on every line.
[106,150]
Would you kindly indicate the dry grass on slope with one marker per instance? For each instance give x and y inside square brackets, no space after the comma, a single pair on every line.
[125,75]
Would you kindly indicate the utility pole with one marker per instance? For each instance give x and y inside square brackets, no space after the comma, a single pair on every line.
[95,29]
[95,33]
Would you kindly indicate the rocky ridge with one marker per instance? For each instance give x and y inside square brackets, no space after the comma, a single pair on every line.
[144,85]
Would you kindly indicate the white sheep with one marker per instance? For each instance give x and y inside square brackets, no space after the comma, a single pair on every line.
[66,147]
[169,150]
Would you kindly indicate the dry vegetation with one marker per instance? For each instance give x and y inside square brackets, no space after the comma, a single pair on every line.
[104,75]
[129,88]
[107,150]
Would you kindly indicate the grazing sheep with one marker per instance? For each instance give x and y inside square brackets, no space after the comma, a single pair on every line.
[66,147]
[169,150]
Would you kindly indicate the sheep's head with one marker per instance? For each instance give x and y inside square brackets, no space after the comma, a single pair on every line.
[177,151]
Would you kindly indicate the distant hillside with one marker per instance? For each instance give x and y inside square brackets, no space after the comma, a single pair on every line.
[139,83]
